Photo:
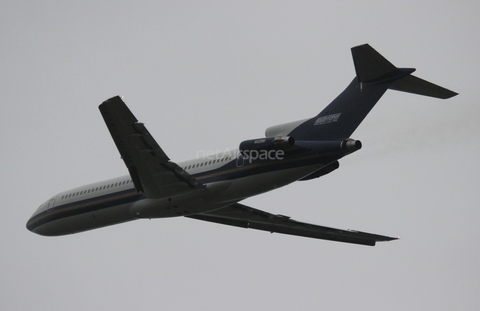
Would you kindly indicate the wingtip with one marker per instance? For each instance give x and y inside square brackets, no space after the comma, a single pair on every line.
[114,98]
[388,239]
[452,94]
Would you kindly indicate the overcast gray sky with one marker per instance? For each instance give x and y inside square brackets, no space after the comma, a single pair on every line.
[207,75]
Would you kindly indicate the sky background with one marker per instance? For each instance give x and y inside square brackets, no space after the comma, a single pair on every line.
[208,75]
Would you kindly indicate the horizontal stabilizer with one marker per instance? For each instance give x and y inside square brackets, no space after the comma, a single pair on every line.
[412,84]
[372,68]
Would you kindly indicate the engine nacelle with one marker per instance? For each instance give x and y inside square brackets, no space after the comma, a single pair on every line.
[331,147]
[283,129]
[269,143]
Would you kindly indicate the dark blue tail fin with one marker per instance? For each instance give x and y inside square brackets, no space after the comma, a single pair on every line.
[375,75]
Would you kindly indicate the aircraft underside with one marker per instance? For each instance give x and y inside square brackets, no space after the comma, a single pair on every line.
[209,189]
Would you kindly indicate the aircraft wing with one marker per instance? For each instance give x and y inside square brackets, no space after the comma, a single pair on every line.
[151,170]
[246,217]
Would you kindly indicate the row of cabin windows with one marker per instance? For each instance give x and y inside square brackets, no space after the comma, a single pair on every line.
[129,181]
[74,194]
[206,163]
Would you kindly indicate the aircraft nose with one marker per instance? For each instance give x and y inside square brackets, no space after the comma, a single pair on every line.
[29,225]
[34,223]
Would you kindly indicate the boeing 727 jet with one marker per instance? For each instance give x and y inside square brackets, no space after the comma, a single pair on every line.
[211,188]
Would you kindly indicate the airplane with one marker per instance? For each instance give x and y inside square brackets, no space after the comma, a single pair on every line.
[211,188]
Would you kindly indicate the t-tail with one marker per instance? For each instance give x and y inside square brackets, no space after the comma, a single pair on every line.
[375,75]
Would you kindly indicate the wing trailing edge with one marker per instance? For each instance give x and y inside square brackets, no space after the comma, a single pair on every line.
[151,170]
[240,215]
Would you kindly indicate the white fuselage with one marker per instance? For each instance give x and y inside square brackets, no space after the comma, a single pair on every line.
[116,200]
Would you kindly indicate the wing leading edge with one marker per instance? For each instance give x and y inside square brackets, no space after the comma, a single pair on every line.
[151,170]
[240,215]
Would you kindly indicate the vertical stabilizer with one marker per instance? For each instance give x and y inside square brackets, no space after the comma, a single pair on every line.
[375,75]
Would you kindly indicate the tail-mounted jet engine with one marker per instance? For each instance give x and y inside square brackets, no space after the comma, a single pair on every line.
[330,147]
[288,143]
[269,143]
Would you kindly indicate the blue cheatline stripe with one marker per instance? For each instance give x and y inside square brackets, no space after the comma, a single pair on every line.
[227,172]
[85,206]
[230,171]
